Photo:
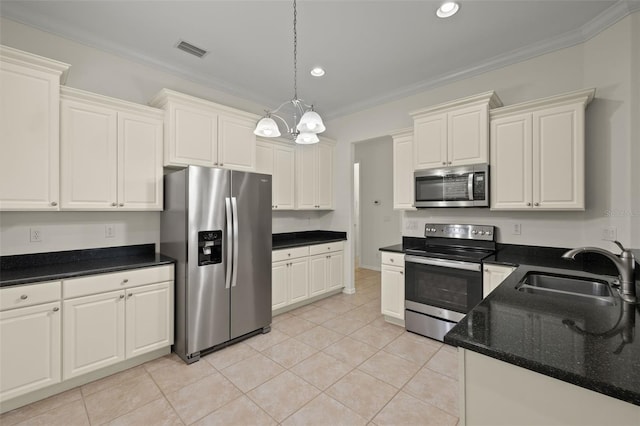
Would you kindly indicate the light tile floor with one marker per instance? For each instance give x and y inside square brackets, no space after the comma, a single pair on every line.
[333,362]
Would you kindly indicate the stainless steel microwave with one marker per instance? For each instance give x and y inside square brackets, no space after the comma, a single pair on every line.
[461,186]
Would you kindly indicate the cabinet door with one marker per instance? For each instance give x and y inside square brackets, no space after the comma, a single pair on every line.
[283,177]
[430,141]
[29,138]
[139,162]
[192,136]
[93,332]
[336,270]
[279,284]
[88,156]
[306,176]
[236,143]
[324,184]
[298,280]
[392,293]
[149,318]
[468,136]
[264,158]
[492,277]
[318,274]
[511,163]
[403,180]
[30,355]
[558,158]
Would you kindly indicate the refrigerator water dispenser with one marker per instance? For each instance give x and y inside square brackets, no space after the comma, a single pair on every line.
[209,247]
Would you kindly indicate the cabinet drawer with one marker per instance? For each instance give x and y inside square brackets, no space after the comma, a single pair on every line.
[114,281]
[393,259]
[290,253]
[27,295]
[326,248]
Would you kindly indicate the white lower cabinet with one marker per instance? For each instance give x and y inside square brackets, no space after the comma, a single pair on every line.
[110,326]
[492,277]
[392,283]
[30,355]
[301,273]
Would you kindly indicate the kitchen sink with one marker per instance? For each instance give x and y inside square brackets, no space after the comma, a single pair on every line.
[587,289]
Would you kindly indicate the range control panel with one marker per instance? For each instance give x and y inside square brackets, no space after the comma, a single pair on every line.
[466,232]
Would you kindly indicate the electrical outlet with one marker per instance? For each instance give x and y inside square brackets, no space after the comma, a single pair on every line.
[517,230]
[35,235]
[610,233]
[109,231]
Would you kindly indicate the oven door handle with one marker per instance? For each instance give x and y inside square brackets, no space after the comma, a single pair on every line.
[456,264]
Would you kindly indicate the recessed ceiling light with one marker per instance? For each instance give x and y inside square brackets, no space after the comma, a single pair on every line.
[447,9]
[317,72]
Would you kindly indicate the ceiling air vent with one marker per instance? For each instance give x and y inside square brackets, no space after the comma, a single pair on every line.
[190,48]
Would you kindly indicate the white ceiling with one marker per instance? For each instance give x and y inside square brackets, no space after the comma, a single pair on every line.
[373,51]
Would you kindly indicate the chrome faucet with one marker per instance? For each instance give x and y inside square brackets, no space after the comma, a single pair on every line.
[625,263]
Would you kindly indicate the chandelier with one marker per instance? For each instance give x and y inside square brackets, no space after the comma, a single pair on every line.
[304,131]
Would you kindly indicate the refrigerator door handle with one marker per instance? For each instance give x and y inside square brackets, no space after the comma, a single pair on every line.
[234,275]
[227,274]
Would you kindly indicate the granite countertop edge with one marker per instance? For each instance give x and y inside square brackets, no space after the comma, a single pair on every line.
[598,386]
[306,238]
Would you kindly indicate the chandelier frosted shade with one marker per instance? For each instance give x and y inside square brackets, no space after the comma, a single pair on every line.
[267,127]
[311,122]
[305,138]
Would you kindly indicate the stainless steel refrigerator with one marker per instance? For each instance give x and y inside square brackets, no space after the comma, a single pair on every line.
[217,224]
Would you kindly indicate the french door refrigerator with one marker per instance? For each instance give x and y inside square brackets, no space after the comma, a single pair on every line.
[217,224]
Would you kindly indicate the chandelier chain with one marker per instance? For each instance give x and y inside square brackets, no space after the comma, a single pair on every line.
[295,52]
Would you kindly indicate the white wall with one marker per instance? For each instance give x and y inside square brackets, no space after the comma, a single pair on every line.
[607,62]
[380,225]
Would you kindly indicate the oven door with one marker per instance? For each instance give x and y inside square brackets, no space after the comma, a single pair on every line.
[452,286]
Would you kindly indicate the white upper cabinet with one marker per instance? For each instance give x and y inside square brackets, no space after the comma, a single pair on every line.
[537,154]
[29,130]
[111,153]
[403,181]
[454,133]
[278,159]
[203,133]
[314,176]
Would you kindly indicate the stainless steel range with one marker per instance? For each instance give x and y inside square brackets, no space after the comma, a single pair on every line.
[443,278]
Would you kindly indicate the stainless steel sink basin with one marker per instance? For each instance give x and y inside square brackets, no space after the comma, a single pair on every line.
[566,286]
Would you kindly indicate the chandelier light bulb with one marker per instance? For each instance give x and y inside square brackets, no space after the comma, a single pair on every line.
[311,122]
[267,127]
[307,138]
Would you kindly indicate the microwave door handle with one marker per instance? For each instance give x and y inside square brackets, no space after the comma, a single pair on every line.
[470,186]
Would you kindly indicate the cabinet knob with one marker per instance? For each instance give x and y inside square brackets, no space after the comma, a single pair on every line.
[528,204]
[536,204]
[391,260]
[401,272]
[444,163]
[215,164]
[449,163]
[486,269]
[24,297]
[130,294]
[114,204]
[126,280]
[56,309]
[289,254]
[121,204]
[53,203]
[122,296]
[221,164]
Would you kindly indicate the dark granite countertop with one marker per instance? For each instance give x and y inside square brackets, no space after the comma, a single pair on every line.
[593,346]
[305,238]
[31,268]
[407,243]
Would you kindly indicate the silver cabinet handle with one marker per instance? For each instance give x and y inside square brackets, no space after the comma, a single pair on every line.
[56,309]
[114,204]
[53,203]
[24,297]
[122,296]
